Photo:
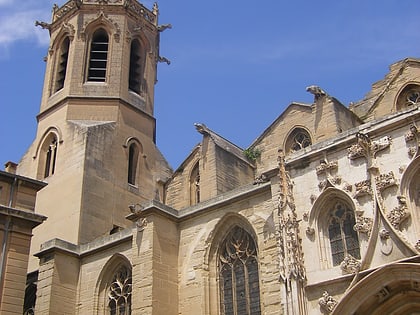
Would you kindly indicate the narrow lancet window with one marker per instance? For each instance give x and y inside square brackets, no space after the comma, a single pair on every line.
[98,56]
[50,157]
[62,64]
[195,185]
[133,157]
[135,76]
[238,274]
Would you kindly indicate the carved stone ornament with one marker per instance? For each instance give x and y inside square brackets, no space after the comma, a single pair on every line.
[363,188]
[310,231]
[417,245]
[399,214]
[355,152]
[365,146]
[327,302]
[384,181]
[326,167]
[135,208]
[350,265]
[384,234]
[261,179]
[412,151]
[380,144]
[363,225]
[141,224]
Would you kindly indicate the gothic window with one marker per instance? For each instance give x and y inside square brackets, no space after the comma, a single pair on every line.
[238,274]
[48,156]
[63,55]
[133,158]
[135,74]
[195,185]
[98,56]
[409,97]
[343,238]
[298,139]
[119,292]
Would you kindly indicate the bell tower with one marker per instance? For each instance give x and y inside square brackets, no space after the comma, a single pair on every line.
[95,142]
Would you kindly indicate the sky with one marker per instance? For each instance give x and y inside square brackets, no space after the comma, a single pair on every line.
[235,65]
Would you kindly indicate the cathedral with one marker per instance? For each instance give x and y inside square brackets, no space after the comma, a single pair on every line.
[319,215]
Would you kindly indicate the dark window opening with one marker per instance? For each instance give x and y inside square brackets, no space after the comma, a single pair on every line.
[133,155]
[135,75]
[50,158]
[62,64]
[98,56]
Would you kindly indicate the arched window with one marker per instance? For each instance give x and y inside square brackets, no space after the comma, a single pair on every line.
[63,56]
[119,292]
[298,139]
[48,156]
[133,158]
[98,56]
[343,238]
[238,274]
[409,97]
[135,75]
[195,185]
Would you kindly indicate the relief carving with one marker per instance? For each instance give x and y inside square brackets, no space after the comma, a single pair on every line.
[385,180]
[365,146]
[327,302]
[363,188]
[326,166]
[399,214]
[363,224]
[350,265]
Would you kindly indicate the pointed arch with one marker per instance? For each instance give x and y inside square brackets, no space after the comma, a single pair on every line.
[332,218]
[134,149]
[297,139]
[194,182]
[137,66]
[393,289]
[61,64]
[408,96]
[234,265]
[47,152]
[113,287]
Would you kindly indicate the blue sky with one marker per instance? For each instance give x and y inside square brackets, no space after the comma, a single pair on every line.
[235,65]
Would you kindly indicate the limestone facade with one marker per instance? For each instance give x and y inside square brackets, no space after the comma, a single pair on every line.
[319,215]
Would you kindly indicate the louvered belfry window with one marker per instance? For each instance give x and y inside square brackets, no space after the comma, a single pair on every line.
[238,274]
[98,56]
[62,64]
[135,67]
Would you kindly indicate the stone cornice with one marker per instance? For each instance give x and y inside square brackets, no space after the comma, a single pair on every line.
[34,218]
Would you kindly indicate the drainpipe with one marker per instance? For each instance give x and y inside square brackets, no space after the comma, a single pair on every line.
[7,229]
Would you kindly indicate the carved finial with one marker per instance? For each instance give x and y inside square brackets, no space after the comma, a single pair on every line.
[155,9]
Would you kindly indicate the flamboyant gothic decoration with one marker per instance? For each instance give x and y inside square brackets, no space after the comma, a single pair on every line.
[350,265]
[384,181]
[365,147]
[399,214]
[119,292]
[363,224]
[327,302]
[239,275]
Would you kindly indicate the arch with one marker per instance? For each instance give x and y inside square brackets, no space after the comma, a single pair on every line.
[61,64]
[98,56]
[47,151]
[410,188]
[194,182]
[114,285]
[232,232]
[393,289]
[137,66]
[408,96]
[134,148]
[333,217]
[298,138]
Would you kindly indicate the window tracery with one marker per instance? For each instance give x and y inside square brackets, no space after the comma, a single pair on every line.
[409,97]
[238,274]
[343,238]
[297,140]
[119,292]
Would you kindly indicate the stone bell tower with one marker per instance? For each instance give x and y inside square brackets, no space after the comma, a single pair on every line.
[95,142]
